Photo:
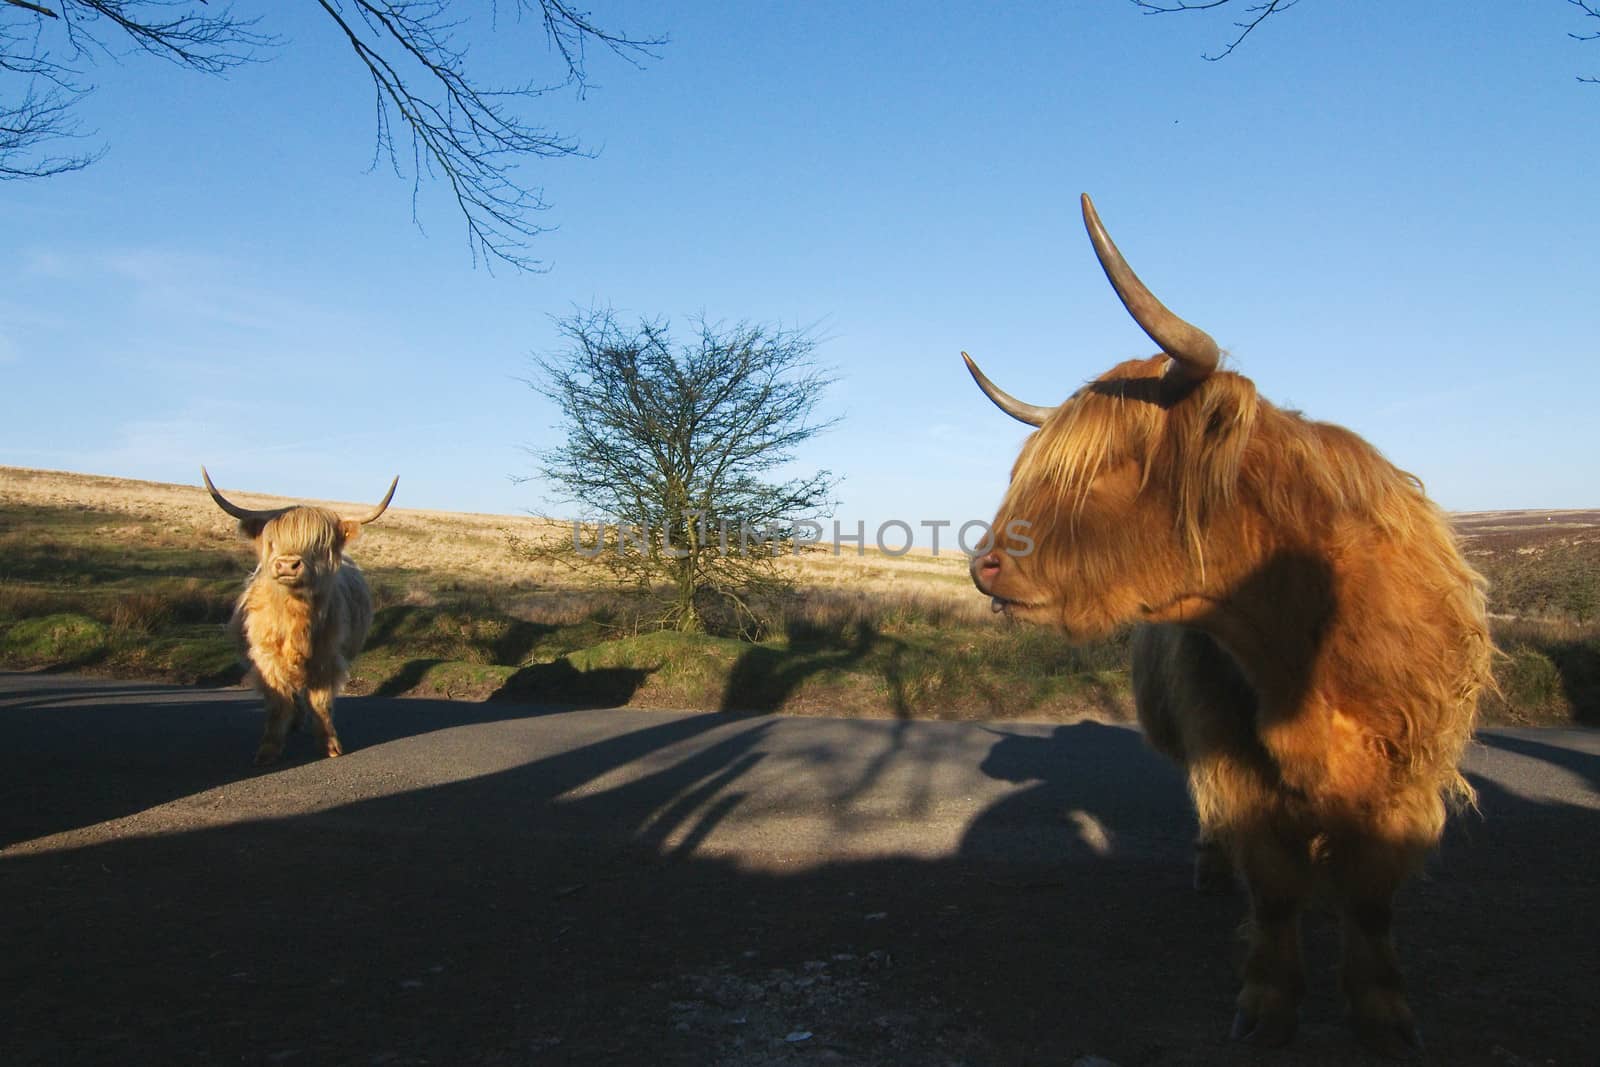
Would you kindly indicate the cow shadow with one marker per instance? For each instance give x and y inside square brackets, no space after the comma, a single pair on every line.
[1088,792]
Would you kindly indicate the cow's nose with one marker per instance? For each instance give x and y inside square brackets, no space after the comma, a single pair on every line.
[985,569]
[286,566]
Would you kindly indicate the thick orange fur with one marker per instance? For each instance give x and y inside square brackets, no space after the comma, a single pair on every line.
[1313,650]
[300,637]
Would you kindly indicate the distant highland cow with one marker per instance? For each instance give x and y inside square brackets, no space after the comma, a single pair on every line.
[1313,643]
[303,615]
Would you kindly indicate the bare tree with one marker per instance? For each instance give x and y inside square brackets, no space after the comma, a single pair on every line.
[466,134]
[670,448]
[1257,13]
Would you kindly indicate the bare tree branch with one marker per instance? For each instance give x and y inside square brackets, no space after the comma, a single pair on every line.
[467,135]
[33,7]
[50,77]
[37,120]
[570,31]
[1592,10]
[1260,11]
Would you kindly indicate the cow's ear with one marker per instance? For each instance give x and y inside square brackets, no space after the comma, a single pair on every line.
[349,529]
[253,526]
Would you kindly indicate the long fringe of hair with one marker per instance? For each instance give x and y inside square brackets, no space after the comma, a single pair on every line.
[1217,446]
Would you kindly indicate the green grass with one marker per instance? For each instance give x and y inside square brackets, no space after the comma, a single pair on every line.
[63,638]
[1548,672]
[913,672]
[85,590]
[136,597]
[71,640]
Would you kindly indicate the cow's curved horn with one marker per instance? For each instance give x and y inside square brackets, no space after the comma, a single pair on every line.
[382,507]
[242,514]
[1193,349]
[1032,414]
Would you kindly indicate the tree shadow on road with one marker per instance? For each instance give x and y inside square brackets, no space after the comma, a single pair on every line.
[572,909]
[1584,764]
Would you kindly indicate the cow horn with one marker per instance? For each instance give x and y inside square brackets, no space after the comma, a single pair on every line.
[242,514]
[384,505]
[1191,347]
[1032,414]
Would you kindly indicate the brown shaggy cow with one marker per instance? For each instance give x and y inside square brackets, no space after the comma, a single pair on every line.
[303,615]
[1312,646]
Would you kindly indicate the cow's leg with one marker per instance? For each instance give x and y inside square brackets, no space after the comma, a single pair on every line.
[321,701]
[280,716]
[1221,787]
[1213,870]
[1277,871]
[1366,874]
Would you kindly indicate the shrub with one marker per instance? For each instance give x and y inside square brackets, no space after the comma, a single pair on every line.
[64,639]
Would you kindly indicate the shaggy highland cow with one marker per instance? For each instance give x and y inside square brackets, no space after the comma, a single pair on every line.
[303,615]
[1312,646]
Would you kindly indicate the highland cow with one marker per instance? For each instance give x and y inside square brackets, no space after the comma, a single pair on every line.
[303,616]
[1311,646]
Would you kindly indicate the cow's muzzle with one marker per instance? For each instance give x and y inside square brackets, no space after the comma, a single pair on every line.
[985,573]
[289,571]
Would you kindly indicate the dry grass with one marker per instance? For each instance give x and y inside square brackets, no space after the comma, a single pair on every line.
[464,546]
[406,539]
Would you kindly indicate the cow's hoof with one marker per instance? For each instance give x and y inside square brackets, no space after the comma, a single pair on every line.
[267,754]
[334,748]
[1274,1031]
[1382,1021]
[1267,1016]
[1265,1031]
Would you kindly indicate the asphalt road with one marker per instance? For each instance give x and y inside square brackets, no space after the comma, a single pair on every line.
[498,883]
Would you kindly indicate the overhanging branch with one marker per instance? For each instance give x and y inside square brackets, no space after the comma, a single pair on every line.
[1260,11]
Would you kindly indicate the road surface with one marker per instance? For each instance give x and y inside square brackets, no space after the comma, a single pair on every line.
[504,884]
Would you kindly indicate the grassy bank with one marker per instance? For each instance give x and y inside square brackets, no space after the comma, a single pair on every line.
[111,590]
[128,582]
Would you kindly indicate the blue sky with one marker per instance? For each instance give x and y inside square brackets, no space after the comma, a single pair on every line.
[1386,214]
